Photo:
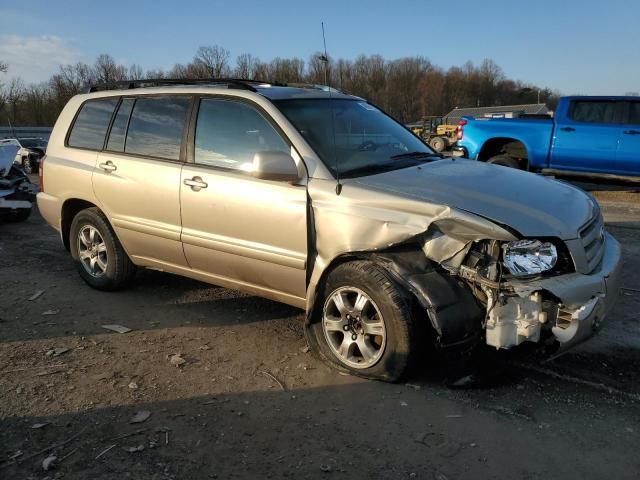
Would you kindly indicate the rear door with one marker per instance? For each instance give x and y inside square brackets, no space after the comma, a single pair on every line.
[137,176]
[628,156]
[587,138]
[236,229]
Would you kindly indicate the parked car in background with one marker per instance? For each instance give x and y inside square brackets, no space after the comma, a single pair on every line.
[320,200]
[17,193]
[29,153]
[591,136]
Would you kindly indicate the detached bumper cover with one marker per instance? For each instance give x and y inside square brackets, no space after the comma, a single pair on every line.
[586,299]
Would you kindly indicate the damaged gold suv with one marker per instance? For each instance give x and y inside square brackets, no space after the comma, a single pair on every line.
[320,200]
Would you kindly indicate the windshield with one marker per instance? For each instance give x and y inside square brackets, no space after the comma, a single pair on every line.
[367,140]
[33,142]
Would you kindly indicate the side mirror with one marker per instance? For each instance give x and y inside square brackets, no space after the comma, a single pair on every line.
[274,165]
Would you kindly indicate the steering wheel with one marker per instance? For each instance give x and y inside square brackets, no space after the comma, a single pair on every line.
[368,146]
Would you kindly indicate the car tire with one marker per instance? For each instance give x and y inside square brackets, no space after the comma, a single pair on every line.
[384,328]
[505,160]
[27,167]
[19,215]
[100,259]
[438,144]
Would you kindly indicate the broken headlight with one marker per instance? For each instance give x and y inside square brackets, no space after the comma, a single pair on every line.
[529,257]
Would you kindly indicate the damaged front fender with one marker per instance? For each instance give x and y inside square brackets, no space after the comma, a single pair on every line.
[361,221]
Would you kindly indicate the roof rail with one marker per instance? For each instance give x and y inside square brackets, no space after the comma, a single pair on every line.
[163,82]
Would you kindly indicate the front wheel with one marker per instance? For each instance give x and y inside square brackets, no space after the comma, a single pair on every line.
[365,326]
[100,259]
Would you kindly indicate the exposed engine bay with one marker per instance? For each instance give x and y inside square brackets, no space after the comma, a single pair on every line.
[515,314]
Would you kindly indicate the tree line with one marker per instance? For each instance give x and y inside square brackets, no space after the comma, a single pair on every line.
[410,88]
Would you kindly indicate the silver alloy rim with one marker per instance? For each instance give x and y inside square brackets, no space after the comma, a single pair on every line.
[92,251]
[353,327]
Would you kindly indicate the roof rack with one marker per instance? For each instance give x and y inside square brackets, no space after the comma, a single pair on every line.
[163,82]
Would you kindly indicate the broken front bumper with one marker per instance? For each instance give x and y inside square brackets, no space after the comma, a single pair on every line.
[585,299]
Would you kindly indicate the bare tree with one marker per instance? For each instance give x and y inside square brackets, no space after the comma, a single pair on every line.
[319,69]
[135,72]
[246,66]
[409,88]
[215,59]
[106,70]
[286,70]
[155,73]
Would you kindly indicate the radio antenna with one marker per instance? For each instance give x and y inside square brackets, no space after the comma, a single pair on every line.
[325,58]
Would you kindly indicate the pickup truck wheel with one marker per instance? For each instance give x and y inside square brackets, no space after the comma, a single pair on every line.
[365,325]
[506,160]
[438,144]
[100,259]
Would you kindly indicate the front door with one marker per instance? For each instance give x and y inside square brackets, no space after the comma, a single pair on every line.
[236,229]
[137,177]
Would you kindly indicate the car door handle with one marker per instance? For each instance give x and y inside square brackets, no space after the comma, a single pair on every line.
[108,166]
[195,183]
[632,132]
[568,129]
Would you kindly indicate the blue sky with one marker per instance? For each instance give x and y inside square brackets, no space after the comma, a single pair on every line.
[584,46]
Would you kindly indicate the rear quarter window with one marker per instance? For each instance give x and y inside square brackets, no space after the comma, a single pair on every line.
[156,127]
[91,124]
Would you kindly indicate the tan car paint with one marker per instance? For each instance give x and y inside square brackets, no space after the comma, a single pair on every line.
[141,198]
[251,234]
[246,229]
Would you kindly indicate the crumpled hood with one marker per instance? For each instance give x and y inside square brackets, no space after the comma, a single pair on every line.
[533,205]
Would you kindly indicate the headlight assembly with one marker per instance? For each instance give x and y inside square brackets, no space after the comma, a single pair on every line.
[529,257]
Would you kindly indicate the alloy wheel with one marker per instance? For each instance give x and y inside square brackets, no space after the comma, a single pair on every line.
[353,327]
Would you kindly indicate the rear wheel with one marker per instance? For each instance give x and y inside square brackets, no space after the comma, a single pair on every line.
[19,215]
[438,144]
[100,259]
[505,160]
[365,325]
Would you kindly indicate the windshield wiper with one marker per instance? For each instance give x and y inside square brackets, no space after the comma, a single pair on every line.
[403,162]
[418,155]
[368,170]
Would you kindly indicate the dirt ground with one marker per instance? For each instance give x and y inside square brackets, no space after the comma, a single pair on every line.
[249,400]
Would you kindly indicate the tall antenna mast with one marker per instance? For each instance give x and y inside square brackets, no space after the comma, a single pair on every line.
[325,58]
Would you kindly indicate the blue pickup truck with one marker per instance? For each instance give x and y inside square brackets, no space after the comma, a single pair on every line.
[591,136]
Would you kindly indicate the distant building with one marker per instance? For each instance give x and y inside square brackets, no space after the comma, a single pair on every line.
[504,111]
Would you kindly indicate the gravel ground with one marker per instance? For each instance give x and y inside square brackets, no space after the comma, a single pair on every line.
[249,401]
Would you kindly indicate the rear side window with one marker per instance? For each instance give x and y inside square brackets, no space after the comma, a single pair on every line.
[594,111]
[91,124]
[634,113]
[156,127]
[229,134]
[119,127]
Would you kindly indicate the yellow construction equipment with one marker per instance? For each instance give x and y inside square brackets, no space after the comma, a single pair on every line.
[436,132]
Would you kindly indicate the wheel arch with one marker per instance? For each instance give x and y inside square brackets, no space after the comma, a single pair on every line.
[70,208]
[514,147]
[451,309]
